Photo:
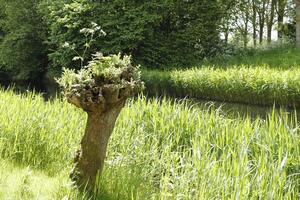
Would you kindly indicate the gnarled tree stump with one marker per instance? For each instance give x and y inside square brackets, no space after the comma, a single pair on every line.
[103,105]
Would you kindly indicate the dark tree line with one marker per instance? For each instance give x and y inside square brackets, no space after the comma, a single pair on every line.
[159,33]
[23,33]
[34,34]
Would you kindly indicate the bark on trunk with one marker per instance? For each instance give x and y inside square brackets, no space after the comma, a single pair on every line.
[271,22]
[261,33]
[90,159]
[254,36]
[103,105]
[281,9]
[261,17]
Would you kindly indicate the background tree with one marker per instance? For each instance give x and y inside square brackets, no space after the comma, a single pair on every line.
[297,2]
[156,33]
[242,20]
[280,13]
[22,51]
[228,16]
[254,22]
[270,19]
[262,19]
[289,27]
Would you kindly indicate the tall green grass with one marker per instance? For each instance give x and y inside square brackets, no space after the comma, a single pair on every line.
[260,78]
[282,57]
[252,85]
[159,150]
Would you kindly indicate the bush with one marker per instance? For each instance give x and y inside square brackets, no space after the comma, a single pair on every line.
[155,33]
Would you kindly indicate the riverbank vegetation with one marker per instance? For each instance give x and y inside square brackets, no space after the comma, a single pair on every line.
[261,78]
[159,150]
[241,51]
[38,37]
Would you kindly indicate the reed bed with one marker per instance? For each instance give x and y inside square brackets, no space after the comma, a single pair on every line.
[241,84]
[260,77]
[159,150]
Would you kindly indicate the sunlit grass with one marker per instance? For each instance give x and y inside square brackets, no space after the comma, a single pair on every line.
[284,57]
[261,79]
[19,182]
[159,150]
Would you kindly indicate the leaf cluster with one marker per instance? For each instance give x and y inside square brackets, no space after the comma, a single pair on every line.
[102,70]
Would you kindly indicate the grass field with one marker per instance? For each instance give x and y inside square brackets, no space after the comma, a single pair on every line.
[159,150]
[262,78]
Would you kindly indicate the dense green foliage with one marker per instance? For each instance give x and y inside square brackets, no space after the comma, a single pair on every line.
[158,34]
[34,34]
[153,32]
[170,151]
[23,53]
[264,78]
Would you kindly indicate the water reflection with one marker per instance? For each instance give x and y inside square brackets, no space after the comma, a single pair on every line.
[235,110]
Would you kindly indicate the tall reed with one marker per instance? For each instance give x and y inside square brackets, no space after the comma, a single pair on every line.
[159,150]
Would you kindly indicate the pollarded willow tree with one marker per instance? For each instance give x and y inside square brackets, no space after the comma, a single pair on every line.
[100,89]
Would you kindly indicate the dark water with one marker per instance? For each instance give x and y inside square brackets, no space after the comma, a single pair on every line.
[234,110]
[47,90]
[231,110]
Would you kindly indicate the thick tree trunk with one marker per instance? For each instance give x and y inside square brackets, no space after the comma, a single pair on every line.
[261,33]
[261,17]
[280,23]
[297,23]
[103,105]
[90,159]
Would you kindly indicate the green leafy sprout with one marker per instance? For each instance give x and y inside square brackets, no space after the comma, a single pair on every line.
[101,70]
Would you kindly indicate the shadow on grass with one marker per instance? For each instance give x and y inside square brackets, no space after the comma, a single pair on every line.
[119,182]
